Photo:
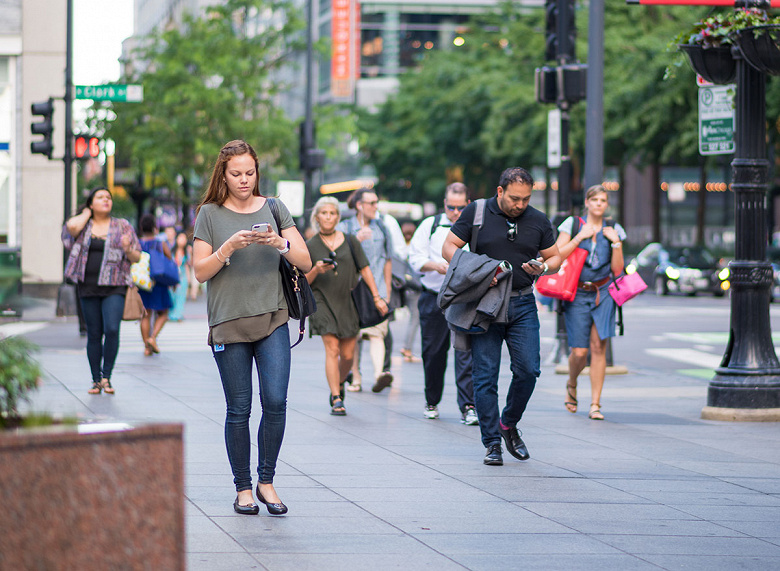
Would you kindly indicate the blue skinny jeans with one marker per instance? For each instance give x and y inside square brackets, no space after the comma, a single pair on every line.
[272,358]
[102,316]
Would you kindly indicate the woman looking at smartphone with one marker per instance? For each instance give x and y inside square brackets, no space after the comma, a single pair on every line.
[332,279]
[247,313]
[590,318]
[101,250]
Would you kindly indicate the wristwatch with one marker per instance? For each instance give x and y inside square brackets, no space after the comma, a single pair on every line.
[286,248]
[616,244]
[544,271]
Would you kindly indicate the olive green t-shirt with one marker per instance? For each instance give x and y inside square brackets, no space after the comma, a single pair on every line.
[251,285]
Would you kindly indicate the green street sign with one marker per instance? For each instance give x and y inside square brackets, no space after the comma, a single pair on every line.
[716,120]
[111,92]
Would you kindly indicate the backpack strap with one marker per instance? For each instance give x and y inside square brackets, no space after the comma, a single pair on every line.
[479,216]
[386,234]
[436,223]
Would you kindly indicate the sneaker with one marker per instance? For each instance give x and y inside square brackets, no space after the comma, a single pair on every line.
[469,416]
[354,385]
[431,411]
[382,382]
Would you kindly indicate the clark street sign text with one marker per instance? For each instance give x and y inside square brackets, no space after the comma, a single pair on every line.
[116,92]
[716,120]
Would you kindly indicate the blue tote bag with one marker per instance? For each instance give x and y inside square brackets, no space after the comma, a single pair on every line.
[162,269]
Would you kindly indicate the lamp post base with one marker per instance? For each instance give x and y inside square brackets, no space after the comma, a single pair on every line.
[741,414]
[759,392]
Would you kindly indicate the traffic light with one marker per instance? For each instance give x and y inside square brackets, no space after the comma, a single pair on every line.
[86,146]
[546,84]
[43,127]
[561,29]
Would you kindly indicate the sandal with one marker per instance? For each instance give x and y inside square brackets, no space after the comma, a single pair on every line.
[96,388]
[151,343]
[107,388]
[342,389]
[571,404]
[595,412]
[408,357]
[337,406]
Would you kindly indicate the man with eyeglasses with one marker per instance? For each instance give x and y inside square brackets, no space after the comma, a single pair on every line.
[516,232]
[377,244]
[425,256]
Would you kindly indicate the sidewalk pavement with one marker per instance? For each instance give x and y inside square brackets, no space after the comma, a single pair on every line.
[651,487]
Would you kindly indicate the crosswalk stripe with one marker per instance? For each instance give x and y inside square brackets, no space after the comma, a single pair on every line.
[692,356]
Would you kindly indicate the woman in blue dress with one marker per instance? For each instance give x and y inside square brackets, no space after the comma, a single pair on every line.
[158,301]
[590,318]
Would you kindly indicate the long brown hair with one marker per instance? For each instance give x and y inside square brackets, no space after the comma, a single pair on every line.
[217,191]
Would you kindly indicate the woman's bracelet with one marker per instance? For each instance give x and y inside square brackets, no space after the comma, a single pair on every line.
[226,261]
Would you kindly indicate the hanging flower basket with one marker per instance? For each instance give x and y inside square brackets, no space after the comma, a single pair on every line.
[715,64]
[760,46]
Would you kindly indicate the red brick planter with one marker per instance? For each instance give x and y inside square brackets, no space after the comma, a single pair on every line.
[109,500]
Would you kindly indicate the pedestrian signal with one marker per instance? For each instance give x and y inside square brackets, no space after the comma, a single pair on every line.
[86,146]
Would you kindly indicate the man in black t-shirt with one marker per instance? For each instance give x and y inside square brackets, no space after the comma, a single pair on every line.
[514,231]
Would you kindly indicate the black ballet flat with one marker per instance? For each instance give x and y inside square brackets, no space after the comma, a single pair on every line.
[273,509]
[251,509]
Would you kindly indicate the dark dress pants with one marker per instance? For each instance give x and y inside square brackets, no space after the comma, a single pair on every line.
[435,334]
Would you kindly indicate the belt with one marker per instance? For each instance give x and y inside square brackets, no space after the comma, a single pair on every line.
[525,291]
[593,286]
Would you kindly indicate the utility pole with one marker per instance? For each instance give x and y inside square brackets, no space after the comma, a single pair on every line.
[563,85]
[68,157]
[310,158]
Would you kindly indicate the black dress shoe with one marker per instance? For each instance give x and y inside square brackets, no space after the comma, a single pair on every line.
[251,509]
[273,509]
[514,444]
[494,456]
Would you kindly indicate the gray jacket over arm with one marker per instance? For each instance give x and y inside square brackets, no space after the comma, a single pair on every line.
[470,304]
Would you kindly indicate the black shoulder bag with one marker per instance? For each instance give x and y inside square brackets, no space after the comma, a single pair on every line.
[296,288]
[368,314]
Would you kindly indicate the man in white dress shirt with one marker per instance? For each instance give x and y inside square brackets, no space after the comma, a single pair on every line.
[425,256]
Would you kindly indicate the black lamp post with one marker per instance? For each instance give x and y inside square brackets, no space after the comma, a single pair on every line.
[747,384]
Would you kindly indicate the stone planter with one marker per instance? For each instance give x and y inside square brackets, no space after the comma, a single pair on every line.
[716,65]
[760,46]
[74,498]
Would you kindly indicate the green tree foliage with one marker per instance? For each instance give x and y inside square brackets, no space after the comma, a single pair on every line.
[212,81]
[646,117]
[466,113]
[472,110]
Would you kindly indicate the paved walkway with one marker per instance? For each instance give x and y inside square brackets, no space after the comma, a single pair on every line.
[652,487]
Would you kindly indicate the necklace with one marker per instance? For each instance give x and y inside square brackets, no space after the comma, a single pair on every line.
[328,243]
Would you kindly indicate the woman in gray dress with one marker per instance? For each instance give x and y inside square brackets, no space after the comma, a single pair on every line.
[332,278]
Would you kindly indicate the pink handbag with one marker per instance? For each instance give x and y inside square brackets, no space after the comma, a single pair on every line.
[626,287]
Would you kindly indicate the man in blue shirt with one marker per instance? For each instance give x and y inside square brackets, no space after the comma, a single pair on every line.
[516,232]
